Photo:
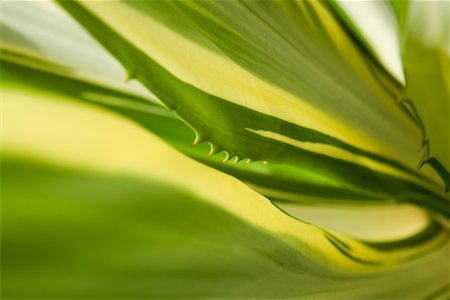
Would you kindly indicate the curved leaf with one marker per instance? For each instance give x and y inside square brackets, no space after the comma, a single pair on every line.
[279,182]
[98,217]
[425,52]
[265,127]
[422,41]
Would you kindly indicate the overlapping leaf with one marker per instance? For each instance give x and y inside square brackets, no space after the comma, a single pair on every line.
[130,220]
[142,226]
[37,67]
[253,100]
[421,36]
[424,36]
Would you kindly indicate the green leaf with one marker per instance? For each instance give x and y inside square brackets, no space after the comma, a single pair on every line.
[425,53]
[43,31]
[88,215]
[373,27]
[422,41]
[376,223]
[263,119]
[22,71]
[26,66]
[279,182]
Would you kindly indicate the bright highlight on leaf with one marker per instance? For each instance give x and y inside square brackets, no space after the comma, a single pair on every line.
[225,149]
